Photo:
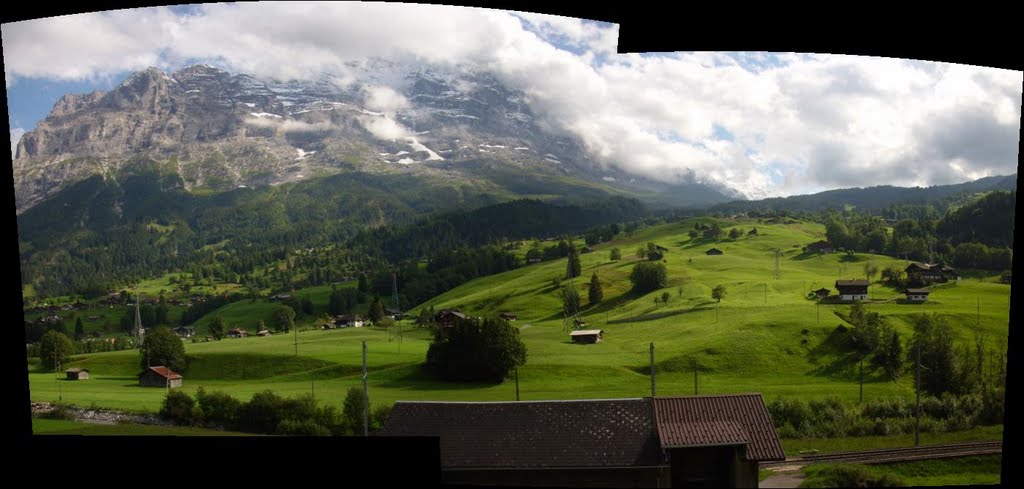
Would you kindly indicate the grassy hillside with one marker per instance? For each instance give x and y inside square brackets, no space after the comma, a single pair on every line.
[763,337]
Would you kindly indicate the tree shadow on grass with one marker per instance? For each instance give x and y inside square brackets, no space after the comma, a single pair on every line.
[702,306]
[845,360]
[418,378]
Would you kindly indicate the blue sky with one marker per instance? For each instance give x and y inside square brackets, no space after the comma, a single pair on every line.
[761,124]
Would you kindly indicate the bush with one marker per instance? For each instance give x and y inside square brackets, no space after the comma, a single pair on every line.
[308,427]
[177,407]
[59,411]
[848,475]
[218,408]
[791,411]
[261,414]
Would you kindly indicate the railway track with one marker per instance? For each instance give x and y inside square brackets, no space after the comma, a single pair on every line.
[890,455]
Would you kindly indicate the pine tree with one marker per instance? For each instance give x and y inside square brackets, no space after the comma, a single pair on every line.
[595,294]
[79,329]
[573,268]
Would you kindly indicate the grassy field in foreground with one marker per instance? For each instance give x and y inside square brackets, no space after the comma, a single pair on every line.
[983,469]
[62,427]
[794,447]
[765,336]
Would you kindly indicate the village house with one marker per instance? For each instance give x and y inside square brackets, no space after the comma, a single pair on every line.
[926,273]
[705,441]
[159,377]
[713,251]
[821,246]
[77,373]
[510,316]
[917,295]
[852,290]
[448,317]
[348,321]
[586,335]
[185,331]
[237,333]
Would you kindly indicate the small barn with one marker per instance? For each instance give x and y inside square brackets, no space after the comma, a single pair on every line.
[263,333]
[713,251]
[510,316]
[699,441]
[77,373]
[185,331]
[159,377]
[575,443]
[586,335]
[822,293]
[237,333]
[917,295]
[716,441]
[852,290]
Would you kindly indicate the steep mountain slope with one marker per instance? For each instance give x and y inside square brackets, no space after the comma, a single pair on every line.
[220,131]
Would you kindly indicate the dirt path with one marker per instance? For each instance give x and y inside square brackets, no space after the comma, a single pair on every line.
[783,479]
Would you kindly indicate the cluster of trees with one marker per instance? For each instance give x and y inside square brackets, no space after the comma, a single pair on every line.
[977,235]
[52,340]
[269,413]
[161,346]
[343,300]
[873,335]
[833,418]
[476,350]
[550,252]
[701,230]
[648,277]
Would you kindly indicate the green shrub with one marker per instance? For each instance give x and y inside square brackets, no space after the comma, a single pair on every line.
[218,408]
[59,411]
[848,475]
[307,427]
[177,407]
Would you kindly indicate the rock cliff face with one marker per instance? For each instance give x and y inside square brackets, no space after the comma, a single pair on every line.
[218,130]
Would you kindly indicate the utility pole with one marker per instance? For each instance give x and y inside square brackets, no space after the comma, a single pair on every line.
[366,398]
[652,369]
[862,379]
[56,374]
[917,423]
[517,382]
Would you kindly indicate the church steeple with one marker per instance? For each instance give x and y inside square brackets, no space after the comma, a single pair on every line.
[138,331]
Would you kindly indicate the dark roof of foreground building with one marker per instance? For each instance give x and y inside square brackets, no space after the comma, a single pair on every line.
[734,419]
[852,283]
[538,434]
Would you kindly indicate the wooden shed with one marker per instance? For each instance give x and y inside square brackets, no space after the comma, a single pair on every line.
[917,295]
[586,335]
[159,377]
[77,373]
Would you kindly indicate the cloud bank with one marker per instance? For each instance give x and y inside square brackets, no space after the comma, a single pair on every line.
[762,124]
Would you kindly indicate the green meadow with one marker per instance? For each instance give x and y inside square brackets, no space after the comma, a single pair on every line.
[764,336]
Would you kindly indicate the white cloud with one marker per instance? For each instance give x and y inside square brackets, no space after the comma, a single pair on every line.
[16,134]
[384,99]
[819,121]
[385,128]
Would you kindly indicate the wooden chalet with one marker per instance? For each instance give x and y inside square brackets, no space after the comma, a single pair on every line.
[706,441]
[348,321]
[159,377]
[852,290]
[586,335]
[924,272]
[917,295]
[449,317]
[77,373]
